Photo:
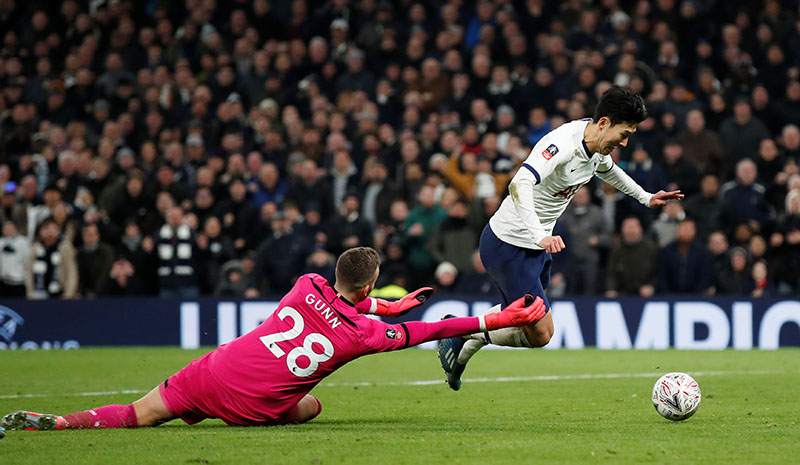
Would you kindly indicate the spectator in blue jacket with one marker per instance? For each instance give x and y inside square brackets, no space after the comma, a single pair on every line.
[743,200]
[685,264]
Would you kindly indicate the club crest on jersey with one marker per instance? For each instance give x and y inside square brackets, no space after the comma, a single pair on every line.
[550,151]
[392,333]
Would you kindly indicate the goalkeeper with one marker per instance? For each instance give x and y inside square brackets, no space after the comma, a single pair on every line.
[264,377]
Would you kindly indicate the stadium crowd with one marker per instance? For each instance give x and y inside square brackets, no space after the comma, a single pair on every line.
[199,147]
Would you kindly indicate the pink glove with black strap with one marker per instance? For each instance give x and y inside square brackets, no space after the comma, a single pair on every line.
[402,306]
[522,312]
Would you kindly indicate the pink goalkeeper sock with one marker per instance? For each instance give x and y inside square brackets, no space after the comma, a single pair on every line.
[109,416]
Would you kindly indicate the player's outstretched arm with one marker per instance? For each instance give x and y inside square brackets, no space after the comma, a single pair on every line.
[660,198]
[398,307]
[522,312]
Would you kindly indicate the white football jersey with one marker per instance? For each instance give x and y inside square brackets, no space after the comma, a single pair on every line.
[557,167]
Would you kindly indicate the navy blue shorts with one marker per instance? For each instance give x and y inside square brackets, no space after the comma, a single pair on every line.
[516,271]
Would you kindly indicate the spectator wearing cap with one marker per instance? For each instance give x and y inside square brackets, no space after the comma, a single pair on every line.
[14,257]
[506,126]
[52,270]
[348,228]
[446,276]
[94,260]
[339,41]
[684,265]
[735,278]
[195,151]
[232,282]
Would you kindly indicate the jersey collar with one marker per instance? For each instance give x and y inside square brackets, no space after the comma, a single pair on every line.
[586,150]
[579,135]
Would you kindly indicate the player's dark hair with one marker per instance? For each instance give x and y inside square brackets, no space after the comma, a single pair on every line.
[621,105]
[356,267]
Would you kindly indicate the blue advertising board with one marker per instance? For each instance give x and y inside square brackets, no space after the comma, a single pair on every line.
[626,323]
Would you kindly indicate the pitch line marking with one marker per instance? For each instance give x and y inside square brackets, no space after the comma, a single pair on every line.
[502,379]
[513,379]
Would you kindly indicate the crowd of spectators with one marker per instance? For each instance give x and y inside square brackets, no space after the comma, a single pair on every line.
[199,147]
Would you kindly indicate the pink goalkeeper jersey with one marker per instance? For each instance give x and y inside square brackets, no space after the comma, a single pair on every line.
[313,332]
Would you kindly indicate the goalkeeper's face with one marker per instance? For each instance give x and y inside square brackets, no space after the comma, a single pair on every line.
[614,135]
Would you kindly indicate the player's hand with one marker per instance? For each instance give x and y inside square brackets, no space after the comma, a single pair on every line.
[402,306]
[552,244]
[660,198]
[522,312]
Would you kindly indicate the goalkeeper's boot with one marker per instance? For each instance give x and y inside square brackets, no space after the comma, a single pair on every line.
[448,356]
[22,420]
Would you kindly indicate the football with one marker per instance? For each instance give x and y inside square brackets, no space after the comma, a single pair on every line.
[676,396]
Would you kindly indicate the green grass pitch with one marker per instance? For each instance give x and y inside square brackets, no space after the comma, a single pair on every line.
[570,409]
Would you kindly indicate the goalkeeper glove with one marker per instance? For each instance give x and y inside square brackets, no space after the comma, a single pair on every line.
[402,306]
[522,312]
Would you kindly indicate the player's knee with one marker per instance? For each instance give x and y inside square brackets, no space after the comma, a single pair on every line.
[309,408]
[544,337]
[146,416]
[539,336]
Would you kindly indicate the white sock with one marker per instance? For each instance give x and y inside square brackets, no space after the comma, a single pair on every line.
[471,347]
[509,337]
